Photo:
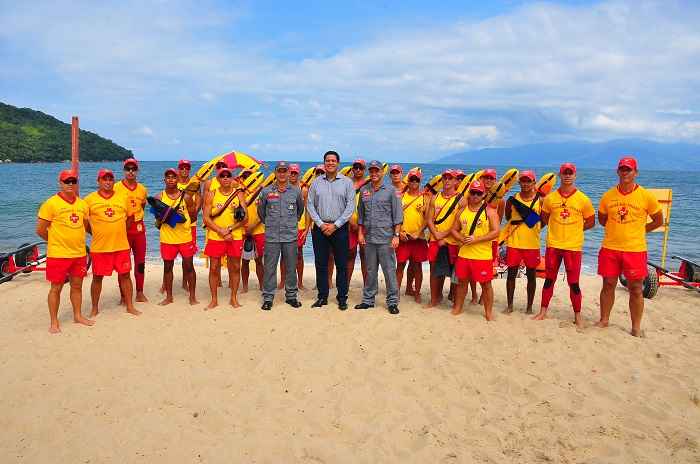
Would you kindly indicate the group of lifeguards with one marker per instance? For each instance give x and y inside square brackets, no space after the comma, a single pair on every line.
[460,239]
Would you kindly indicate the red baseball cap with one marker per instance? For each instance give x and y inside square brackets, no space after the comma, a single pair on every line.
[529,174]
[450,172]
[629,162]
[395,167]
[359,161]
[489,173]
[104,172]
[294,167]
[184,162]
[478,186]
[566,166]
[170,171]
[67,174]
[131,161]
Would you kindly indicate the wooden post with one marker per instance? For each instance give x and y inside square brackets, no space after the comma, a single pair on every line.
[75,148]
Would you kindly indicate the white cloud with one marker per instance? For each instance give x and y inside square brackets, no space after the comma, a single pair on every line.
[144,130]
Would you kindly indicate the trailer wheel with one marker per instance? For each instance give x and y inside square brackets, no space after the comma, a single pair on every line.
[651,283]
[5,266]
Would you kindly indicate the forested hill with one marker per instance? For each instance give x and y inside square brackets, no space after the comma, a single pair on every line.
[28,136]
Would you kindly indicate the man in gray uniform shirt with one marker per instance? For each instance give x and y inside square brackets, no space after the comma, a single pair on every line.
[379,215]
[280,207]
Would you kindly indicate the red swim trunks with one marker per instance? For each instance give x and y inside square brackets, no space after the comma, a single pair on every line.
[413,250]
[169,251]
[104,263]
[219,248]
[58,269]
[433,249]
[476,270]
[515,256]
[612,263]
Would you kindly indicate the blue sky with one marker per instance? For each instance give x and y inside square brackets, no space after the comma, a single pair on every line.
[393,80]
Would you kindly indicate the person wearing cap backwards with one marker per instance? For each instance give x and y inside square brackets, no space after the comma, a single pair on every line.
[330,205]
[412,248]
[177,240]
[442,248]
[280,208]
[623,211]
[109,216]
[475,229]
[62,222]
[224,235]
[136,194]
[568,212]
[523,243]
[379,216]
[303,227]
[358,180]
[255,231]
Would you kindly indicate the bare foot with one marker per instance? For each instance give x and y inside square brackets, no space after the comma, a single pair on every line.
[541,316]
[638,333]
[83,320]
[165,302]
[456,311]
[212,305]
[578,320]
[234,303]
[489,317]
[508,310]
[601,324]
[141,298]
[121,302]
[474,301]
[431,305]
[244,290]
[417,297]
[54,329]
[133,311]
[94,312]
[193,301]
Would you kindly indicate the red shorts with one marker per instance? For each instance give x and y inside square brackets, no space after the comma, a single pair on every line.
[353,240]
[259,244]
[104,263]
[475,270]
[169,251]
[433,248]
[219,248]
[300,238]
[612,263]
[515,256]
[414,250]
[57,269]
[572,264]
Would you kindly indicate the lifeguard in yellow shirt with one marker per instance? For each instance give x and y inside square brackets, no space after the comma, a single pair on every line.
[413,249]
[624,211]
[108,213]
[62,223]
[568,212]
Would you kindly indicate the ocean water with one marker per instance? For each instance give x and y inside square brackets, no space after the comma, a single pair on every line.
[25,186]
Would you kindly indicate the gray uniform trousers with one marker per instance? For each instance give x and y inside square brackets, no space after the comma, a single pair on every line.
[270,260]
[380,254]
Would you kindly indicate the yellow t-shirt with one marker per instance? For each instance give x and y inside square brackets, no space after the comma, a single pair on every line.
[225,219]
[522,236]
[627,218]
[182,187]
[136,198]
[67,229]
[440,203]
[566,218]
[253,217]
[108,222]
[181,232]
[413,219]
[481,250]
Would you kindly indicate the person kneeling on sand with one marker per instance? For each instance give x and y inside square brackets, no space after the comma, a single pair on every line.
[224,234]
[62,223]
[477,226]
[177,240]
[379,217]
[568,212]
[623,211]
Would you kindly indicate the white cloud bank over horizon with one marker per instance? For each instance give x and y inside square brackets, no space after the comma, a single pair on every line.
[539,73]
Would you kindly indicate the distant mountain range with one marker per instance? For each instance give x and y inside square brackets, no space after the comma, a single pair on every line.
[28,136]
[649,154]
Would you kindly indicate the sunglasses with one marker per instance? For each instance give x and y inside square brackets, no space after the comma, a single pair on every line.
[568,172]
[476,193]
[188,167]
[413,179]
[131,169]
[107,178]
[488,177]
[225,175]
[282,170]
[70,181]
[447,177]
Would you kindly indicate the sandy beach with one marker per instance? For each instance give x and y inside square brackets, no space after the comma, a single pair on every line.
[179,384]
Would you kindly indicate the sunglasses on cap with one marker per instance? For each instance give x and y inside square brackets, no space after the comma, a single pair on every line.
[70,181]
[477,193]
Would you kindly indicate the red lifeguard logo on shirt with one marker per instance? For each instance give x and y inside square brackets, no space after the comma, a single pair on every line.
[219,205]
[564,214]
[133,203]
[622,212]
[109,212]
[74,218]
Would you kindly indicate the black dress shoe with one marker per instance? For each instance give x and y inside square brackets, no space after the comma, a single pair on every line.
[267,305]
[320,302]
[363,306]
[393,309]
[294,303]
[342,305]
